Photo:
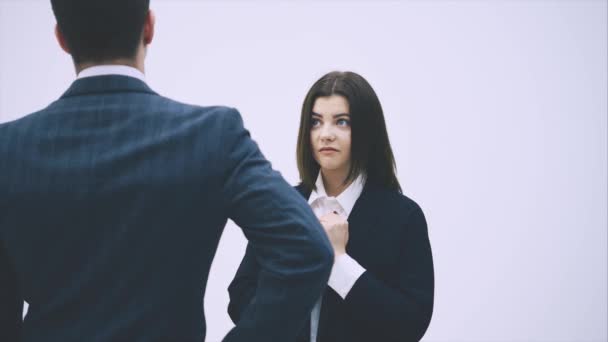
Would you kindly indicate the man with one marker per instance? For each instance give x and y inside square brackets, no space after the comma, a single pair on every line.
[113,199]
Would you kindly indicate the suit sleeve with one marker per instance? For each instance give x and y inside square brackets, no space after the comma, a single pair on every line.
[243,287]
[285,239]
[11,301]
[402,312]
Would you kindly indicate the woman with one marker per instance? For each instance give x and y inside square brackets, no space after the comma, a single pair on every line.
[381,285]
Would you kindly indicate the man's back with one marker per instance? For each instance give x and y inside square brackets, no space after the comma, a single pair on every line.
[112,203]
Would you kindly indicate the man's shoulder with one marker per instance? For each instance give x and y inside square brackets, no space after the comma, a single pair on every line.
[20,123]
[217,113]
[157,111]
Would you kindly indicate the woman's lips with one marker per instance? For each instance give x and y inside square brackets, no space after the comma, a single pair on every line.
[327,150]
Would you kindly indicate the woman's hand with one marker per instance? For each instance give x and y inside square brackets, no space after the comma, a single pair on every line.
[336,228]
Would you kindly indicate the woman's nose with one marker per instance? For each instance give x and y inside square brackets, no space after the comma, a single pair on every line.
[327,133]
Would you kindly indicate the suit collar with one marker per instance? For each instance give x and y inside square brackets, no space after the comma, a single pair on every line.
[365,208]
[107,84]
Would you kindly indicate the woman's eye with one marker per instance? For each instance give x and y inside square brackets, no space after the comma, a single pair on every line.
[343,122]
[315,122]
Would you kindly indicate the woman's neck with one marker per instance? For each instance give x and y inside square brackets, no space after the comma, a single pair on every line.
[333,181]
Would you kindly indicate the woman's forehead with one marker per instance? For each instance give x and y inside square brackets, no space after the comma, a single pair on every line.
[331,105]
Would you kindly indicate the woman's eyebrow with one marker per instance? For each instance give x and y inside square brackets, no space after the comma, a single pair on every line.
[335,116]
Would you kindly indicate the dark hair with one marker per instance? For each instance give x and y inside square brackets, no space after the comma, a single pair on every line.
[371,153]
[101,30]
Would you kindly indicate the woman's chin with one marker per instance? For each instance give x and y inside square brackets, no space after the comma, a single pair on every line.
[331,168]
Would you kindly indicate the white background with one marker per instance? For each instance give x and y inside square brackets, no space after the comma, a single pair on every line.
[496,111]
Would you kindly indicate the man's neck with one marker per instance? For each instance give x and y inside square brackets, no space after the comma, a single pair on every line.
[126,62]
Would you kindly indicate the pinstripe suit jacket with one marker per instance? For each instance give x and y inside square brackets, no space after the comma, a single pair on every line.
[112,203]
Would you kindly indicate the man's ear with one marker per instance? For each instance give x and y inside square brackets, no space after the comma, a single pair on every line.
[148,33]
[61,40]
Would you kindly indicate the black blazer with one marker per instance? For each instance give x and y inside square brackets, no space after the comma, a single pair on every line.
[393,299]
[112,203]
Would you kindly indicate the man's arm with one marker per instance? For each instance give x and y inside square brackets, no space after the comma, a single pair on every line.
[289,244]
[11,301]
[243,287]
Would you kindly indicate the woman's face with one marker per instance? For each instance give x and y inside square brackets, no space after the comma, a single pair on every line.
[330,133]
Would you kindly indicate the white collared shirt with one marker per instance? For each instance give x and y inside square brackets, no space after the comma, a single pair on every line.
[346,270]
[100,70]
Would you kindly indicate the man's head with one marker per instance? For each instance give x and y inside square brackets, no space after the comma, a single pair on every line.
[100,31]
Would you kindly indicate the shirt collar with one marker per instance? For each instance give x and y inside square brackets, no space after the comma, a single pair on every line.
[347,198]
[99,70]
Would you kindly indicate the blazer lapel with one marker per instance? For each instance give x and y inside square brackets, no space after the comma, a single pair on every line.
[360,223]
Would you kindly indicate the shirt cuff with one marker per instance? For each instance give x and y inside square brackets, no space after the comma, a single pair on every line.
[344,274]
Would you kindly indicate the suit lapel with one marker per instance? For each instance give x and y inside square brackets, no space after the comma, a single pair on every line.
[361,221]
[360,224]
